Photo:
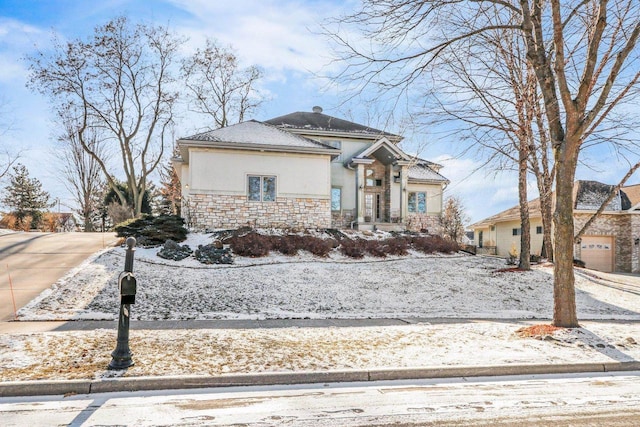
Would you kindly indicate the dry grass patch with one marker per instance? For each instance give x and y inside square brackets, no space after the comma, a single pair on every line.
[538,331]
[86,355]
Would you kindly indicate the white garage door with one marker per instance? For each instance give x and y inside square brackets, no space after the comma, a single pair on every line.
[597,252]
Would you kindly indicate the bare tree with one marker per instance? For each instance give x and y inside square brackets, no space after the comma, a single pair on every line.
[218,87]
[119,81]
[492,94]
[581,80]
[8,157]
[582,53]
[80,172]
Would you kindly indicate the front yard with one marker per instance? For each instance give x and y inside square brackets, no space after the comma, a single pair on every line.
[304,286]
[307,286]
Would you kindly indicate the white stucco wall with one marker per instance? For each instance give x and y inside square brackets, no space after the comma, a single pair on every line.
[343,177]
[225,172]
[434,196]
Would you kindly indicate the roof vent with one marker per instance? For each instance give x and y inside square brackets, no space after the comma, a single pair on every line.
[317,109]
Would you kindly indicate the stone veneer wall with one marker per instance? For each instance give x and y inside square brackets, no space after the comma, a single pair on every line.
[223,211]
[417,222]
[343,218]
[622,228]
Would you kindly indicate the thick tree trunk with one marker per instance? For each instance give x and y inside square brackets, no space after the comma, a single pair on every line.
[564,300]
[525,234]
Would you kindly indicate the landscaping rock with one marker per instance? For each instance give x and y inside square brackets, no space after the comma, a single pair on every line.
[174,251]
[210,254]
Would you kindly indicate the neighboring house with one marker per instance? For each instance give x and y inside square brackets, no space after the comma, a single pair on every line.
[611,243]
[66,221]
[306,170]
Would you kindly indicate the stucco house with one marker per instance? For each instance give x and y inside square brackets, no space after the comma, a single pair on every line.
[611,243]
[306,170]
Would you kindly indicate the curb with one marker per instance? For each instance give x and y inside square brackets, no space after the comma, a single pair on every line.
[39,388]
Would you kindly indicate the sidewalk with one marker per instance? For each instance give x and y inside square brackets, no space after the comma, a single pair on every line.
[71,357]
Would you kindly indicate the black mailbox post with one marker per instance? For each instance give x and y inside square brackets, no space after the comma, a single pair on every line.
[121,356]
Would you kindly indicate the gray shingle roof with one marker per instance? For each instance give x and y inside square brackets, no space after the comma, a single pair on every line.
[321,122]
[591,194]
[256,133]
[423,172]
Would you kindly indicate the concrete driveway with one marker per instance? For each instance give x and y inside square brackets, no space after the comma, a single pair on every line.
[32,262]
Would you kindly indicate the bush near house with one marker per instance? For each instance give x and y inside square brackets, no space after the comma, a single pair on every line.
[256,245]
[153,231]
[246,242]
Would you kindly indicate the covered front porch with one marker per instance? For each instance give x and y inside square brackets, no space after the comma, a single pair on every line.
[381,187]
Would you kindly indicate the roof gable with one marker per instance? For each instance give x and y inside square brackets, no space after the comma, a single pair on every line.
[383,150]
[590,195]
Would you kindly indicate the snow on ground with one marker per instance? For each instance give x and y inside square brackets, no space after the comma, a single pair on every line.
[306,286]
[86,354]
[455,286]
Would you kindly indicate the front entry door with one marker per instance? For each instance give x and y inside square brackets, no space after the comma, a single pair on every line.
[371,207]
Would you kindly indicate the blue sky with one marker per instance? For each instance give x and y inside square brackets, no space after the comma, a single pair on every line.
[280,36]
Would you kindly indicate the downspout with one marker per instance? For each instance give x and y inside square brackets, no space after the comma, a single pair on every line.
[401,197]
[355,221]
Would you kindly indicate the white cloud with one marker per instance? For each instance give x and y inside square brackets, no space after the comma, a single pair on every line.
[16,40]
[274,35]
[483,191]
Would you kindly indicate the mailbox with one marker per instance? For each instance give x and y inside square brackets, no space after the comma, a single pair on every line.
[127,285]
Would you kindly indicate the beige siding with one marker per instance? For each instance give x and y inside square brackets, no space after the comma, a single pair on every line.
[226,171]
[505,240]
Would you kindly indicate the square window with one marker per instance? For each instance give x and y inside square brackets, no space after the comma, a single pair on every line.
[539,229]
[516,231]
[261,188]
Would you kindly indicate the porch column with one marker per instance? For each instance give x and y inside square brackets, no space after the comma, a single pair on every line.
[360,193]
[404,197]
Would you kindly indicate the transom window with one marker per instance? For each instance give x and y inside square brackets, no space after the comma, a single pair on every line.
[261,188]
[417,202]
[371,180]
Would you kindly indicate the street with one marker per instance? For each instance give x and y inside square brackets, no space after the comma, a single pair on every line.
[31,262]
[550,400]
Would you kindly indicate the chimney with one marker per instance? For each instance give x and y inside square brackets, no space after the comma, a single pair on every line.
[317,109]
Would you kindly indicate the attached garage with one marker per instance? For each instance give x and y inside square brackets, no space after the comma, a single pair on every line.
[598,252]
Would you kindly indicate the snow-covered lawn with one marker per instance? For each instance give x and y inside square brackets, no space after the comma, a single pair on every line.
[305,286]
[456,286]
[86,354]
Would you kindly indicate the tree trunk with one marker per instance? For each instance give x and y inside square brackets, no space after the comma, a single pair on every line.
[546,212]
[564,300]
[525,230]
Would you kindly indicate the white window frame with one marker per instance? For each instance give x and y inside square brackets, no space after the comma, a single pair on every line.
[339,201]
[416,204]
[262,184]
